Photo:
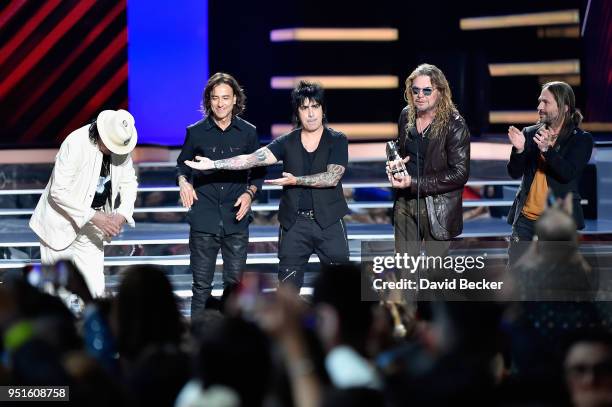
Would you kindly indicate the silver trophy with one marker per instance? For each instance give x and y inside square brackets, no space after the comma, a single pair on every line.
[395,160]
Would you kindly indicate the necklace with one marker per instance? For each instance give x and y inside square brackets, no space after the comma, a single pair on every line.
[423,130]
[553,139]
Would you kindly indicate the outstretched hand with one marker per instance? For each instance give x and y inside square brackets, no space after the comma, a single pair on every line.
[287,179]
[200,163]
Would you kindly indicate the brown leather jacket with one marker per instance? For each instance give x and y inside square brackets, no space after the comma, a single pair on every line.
[446,170]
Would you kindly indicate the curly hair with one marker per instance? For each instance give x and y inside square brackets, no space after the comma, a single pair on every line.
[445,108]
[227,79]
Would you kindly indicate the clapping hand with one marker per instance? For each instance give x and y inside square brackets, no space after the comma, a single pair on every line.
[517,138]
[542,138]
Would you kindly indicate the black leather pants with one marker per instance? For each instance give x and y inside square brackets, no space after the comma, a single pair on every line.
[204,248]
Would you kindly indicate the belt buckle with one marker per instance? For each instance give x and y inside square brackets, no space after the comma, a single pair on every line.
[307,214]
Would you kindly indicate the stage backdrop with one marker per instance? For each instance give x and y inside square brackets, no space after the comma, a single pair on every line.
[63,61]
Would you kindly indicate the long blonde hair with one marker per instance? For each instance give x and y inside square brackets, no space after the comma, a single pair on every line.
[445,108]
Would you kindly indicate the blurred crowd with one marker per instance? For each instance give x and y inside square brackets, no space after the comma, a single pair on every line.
[254,348]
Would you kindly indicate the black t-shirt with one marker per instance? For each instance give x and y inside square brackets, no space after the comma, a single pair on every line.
[305,202]
[338,155]
[414,141]
[103,190]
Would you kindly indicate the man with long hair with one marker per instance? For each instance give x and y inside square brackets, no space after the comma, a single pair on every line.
[312,204]
[219,202]
[434,143]
[550,157]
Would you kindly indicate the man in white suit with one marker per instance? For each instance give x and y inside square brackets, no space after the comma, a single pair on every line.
[78,210]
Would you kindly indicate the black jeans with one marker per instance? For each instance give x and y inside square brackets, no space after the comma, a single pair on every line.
[522,232]
[204,248]
[296,244]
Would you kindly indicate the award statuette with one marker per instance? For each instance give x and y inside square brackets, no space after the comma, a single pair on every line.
[397,164]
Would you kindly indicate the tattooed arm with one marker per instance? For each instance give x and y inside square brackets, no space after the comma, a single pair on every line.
[327,179]
[259,158]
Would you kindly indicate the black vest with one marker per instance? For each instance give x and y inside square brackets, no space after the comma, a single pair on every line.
[329,203]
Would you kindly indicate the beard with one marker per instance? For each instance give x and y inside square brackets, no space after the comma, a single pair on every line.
[422,109]
[550,120]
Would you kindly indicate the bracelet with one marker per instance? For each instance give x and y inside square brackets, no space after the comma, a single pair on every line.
[251,193]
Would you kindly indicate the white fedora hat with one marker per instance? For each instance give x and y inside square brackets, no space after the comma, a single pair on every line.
[117,131]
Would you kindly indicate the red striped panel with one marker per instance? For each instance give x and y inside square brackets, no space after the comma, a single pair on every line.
[598,73]
[50,80]
[104,93]
[44,46]
[27,29]
[10,11]
[87,75]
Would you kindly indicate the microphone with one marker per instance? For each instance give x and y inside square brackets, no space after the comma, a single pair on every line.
[393,156]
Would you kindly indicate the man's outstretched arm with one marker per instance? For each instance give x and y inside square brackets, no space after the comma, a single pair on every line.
[259,158]
[327,179]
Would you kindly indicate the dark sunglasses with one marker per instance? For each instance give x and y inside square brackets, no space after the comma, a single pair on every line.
[426,91]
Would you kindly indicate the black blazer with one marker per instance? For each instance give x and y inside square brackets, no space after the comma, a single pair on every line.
[565,162]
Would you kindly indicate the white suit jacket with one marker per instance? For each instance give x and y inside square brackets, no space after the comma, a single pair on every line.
[65,205]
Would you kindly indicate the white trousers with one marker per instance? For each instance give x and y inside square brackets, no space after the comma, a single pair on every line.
[86,252]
